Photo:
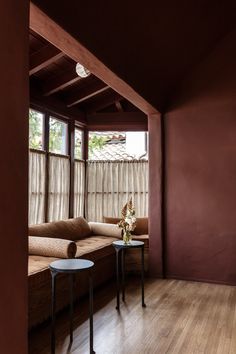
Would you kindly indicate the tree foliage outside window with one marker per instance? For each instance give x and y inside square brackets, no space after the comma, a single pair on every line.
[78,144]
[35,130]
[57,136]
[96,142]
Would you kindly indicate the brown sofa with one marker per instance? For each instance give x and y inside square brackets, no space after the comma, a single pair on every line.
[67,239]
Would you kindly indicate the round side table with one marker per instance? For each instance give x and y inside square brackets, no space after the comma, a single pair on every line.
[120,248]
[71,267]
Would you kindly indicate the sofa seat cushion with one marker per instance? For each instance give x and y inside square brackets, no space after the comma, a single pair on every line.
[39,263]
[38,271]
[95,247]
[71,229]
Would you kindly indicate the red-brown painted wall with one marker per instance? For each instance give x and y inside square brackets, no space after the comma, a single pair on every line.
[201,171]
[14,175]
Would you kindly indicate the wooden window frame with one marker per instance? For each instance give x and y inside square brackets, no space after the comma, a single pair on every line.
[72,124]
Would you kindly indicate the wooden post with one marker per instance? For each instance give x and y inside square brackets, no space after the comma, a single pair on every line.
[72,165]
[14,38]
[85,158]
[156,259]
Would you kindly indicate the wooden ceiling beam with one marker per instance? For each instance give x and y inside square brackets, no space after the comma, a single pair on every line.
[60,82]
[43,57]
[42,24]
[119,106]
[56,106]
[81,95]
[118,121]
[101,102]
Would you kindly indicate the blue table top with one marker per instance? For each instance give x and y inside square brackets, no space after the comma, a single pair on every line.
[71,265]
[133,243]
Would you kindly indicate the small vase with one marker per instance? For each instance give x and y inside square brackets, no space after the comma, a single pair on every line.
[127,237]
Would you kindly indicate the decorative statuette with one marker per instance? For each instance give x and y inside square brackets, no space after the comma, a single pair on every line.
[128,221]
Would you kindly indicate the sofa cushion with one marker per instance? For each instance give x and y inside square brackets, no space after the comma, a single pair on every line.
[105,229]
[38,271]
[37,264]
[51,247]
[71,229]
[95,247]
[111,220]
[141,225]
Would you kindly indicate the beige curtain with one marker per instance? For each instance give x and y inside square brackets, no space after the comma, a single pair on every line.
[59,187]
[110,184]
[37,173]
[79,188]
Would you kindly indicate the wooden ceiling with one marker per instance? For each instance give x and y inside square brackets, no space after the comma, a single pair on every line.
[53,78]
[151,46]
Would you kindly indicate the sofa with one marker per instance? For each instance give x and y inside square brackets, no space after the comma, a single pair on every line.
[68,239]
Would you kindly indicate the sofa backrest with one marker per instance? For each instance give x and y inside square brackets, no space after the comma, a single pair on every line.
[141,225]
[71,229]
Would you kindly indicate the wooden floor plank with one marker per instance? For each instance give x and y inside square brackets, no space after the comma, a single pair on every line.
[180,317]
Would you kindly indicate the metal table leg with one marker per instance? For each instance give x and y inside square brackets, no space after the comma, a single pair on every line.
[123,273]
[142,277]
[91,312]
[117,280]
[72,281]
[54,274]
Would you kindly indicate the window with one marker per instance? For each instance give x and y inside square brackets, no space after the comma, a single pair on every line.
[78,144]
[116,171]
[118,146]
[50,168]
[58,136]
[36,130]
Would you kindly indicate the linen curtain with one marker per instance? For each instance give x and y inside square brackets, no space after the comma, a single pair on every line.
[59,188]
[37,173]
[79,188]
[110,184]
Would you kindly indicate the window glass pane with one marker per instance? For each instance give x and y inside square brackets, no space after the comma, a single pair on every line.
[36,120]
[78,144]
[118,146]
[57,136]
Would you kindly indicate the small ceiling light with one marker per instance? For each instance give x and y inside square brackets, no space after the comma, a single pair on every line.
[81,70]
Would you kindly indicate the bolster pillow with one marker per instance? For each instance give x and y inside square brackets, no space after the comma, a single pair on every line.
[51,247]
[141,224]
[102,229]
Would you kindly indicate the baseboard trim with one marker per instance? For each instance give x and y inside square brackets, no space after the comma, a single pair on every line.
[202,280]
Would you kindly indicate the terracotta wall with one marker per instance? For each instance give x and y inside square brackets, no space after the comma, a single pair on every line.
[201,171]
[14,175]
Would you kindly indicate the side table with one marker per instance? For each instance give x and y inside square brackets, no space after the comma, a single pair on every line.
[120,248]
[71,267]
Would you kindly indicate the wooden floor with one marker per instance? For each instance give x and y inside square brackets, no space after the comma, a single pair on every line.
[180,317]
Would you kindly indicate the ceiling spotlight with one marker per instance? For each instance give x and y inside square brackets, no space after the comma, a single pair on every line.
[81,70]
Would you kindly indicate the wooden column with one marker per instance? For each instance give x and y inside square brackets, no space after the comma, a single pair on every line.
[14,37]
[85,152]
[72,165]
[156,249]
[46,147]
